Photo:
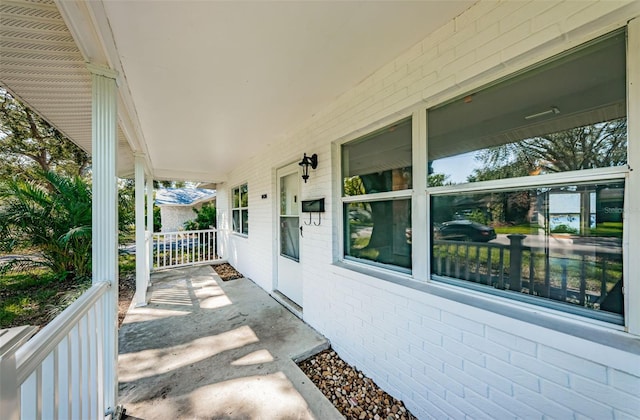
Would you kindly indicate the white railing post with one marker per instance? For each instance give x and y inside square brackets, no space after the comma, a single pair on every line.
[141,255]
[10,341]
[176,249]
[105,218]
[59,372]
[149,228]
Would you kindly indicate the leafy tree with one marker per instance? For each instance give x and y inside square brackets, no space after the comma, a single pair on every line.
[29,145]
[438,180]
[53,217]
[353,186]
[168,184]
[127,210]
[157,219]
[590,146]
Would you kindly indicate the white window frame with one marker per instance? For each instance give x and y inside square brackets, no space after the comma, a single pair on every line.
[420,277]
[408,194]
[240,209]
[631,179]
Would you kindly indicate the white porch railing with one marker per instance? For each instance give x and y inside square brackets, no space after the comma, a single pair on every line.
[176,249]
[59,373]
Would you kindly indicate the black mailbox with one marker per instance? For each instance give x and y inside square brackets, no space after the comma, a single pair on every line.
[313,206]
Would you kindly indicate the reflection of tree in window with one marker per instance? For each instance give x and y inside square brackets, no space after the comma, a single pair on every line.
[379,229]
[592,146]
[382,211]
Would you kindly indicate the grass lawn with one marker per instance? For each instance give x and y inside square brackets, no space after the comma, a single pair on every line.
[525,229]
[36,297]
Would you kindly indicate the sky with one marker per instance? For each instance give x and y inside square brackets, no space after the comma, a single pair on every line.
[458,167]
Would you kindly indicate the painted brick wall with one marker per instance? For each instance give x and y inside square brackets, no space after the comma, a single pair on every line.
[443,358]
[173,217]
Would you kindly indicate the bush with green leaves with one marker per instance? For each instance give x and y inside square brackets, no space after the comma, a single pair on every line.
[205,218]
[51,216]
[562,228]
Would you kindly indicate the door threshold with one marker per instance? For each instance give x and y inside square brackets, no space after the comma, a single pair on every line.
[290,305]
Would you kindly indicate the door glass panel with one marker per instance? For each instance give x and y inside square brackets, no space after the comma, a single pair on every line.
[288,195]
[289,220]
[289,239]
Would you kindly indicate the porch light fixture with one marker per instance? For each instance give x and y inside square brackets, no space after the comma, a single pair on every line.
[305,163]
[553,110]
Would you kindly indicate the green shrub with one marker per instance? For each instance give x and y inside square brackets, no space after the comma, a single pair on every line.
[205,218]
[53,217]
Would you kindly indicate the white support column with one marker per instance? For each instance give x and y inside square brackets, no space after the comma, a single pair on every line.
[105,217]
[150,225]
[631,242]
[142,270]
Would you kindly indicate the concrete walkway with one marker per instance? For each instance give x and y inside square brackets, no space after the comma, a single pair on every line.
[203,348]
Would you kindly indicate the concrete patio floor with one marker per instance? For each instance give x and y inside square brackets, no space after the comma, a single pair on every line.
[204,348]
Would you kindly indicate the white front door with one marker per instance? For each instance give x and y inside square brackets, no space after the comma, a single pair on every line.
[289,281]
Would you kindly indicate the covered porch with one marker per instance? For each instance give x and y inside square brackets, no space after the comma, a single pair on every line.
[234,94]
[204,348]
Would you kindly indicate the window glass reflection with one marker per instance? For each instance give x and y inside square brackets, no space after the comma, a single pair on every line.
[378,163]
[566,115]
[562,243]
[379,231]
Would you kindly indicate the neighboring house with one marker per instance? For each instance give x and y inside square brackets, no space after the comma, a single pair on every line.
[382,92]
[177,205]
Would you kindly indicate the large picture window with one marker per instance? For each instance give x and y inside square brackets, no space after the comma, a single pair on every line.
[376,184]
[562,243]
[568,114]
[240,209]
[526,183]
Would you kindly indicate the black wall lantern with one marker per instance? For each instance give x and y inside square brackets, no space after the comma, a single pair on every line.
[305,163]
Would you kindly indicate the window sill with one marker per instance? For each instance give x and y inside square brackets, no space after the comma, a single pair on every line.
[240,235]
[609,335]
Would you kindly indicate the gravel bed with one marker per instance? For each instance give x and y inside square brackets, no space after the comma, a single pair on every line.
[352,393]
[227,272]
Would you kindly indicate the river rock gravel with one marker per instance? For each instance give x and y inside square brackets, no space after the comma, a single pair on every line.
[227,272]
[352,393]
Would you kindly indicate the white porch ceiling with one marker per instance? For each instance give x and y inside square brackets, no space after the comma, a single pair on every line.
[204,84]
[41,64]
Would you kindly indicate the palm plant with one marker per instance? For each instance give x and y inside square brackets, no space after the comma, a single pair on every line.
[52,217]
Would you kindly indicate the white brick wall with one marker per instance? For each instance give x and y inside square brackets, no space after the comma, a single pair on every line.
[443,358]
[174,217]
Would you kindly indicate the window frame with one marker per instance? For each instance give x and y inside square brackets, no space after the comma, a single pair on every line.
[240,210]
[534,313]
[603,174]
[618,173]
[407,194]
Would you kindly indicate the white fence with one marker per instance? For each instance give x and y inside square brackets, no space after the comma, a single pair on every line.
[59,373]
[176,249]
